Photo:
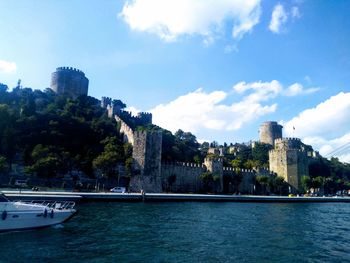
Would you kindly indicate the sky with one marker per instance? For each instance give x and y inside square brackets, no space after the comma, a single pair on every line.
[215,68]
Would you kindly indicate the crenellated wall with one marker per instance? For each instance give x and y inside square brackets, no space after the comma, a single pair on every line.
[127,132]
[182,177]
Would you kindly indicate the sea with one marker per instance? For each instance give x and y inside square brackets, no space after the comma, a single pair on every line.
[189,232]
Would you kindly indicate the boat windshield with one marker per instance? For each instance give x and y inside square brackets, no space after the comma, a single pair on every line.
[3,198]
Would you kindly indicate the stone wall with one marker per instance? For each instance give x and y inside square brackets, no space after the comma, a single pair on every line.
[185,177]
[147,154]
[269,131]
[127,132]
[182,177]
[247,181]
[289,160]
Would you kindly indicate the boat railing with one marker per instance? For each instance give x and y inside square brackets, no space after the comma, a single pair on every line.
[60,205]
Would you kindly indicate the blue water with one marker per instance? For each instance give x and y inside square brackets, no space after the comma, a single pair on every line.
[189,232]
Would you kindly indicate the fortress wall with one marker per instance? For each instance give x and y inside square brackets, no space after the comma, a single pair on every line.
[126,130]
[247,182]
[147,153]
[186,177]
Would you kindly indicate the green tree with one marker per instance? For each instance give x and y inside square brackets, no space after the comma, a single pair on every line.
[112,155]
[46,162]
[306,183]
[263,182]
[206,178]
[260,154]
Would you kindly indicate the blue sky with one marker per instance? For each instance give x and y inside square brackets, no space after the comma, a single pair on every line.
[216,68]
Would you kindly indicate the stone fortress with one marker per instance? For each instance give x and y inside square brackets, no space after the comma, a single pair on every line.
[289,157]
[153,175]
[70,82]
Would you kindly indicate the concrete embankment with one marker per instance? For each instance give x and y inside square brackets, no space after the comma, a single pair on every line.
[163,197]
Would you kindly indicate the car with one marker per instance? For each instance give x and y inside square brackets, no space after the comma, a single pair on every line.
[118,189]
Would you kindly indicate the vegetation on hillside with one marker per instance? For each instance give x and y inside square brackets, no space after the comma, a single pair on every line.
[52,135]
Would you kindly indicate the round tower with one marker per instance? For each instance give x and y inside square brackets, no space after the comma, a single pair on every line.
[70,82]
[269,131]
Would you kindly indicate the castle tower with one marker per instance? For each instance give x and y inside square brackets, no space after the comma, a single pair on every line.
[215,166]
[147,154]
[69,82]
[270,131]
[105,101]
[144,118]
[289,160]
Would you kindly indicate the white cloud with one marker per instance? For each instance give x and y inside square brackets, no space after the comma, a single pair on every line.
[7,67]
[230,49]
[326,126]
[268,90]
[278,18]
[170,19]
[295,13]
[298,89]
[200,110]
[262,91]
[134,111]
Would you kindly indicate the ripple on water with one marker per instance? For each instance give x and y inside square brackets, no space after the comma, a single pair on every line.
[189,232]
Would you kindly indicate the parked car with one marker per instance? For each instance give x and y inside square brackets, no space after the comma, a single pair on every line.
[118,189]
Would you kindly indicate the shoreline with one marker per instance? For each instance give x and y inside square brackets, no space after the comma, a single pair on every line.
[163,197]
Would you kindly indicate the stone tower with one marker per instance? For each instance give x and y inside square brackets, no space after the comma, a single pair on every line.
[69,82]
[270,131]
[289,160]
[147,154]
[215,166]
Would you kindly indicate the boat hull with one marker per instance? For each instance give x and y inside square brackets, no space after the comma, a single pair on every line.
[23,217]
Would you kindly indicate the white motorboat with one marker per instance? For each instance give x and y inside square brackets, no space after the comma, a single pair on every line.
[21,215]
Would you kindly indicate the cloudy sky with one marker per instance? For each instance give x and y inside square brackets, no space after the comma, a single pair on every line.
[216,68]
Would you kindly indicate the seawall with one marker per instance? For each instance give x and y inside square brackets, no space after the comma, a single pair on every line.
[163,197]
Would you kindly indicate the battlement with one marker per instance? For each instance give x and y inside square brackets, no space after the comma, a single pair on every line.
[70,82]
[142,118]
[184,164]
[287,139]
[70,69]
[232,169]
[140,114]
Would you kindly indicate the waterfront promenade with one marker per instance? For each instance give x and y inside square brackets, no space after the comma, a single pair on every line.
[162,197]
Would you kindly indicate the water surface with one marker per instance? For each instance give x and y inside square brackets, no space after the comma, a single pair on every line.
[189,232]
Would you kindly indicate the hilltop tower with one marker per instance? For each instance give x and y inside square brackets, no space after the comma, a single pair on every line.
[270,131]
[70,82]
[289,159]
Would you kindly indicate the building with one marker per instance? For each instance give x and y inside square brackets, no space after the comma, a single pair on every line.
[69,82]
[270,131]
[289,159]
